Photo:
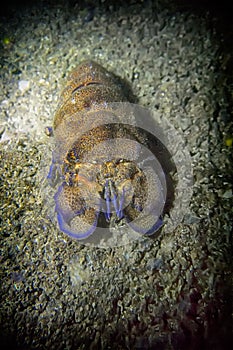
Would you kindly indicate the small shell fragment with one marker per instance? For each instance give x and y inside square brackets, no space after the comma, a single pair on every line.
[24,85]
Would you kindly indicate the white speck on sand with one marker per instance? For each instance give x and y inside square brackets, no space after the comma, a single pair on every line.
[24,85]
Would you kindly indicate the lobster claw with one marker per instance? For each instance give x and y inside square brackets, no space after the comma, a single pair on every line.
[147,224]
[76,215]
[144,213]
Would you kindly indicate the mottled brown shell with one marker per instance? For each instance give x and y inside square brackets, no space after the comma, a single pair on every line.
[96,151]
[88,84]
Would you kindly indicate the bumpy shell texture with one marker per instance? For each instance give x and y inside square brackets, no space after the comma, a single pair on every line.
[111,173]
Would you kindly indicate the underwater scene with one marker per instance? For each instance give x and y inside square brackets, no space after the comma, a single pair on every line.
[116,175]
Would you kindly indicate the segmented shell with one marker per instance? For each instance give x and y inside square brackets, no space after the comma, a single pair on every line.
[100,158]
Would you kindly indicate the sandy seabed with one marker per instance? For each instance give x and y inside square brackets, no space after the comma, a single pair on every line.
[173,292]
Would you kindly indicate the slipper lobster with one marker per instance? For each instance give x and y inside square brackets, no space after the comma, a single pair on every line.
[101,159]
